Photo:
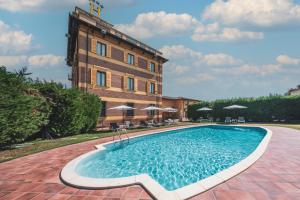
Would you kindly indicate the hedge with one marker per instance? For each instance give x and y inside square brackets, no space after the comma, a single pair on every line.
[30,109]
[262,109]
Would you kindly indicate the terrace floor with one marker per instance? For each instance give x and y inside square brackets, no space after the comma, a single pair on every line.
[276,175]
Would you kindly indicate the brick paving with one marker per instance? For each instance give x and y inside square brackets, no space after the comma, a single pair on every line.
[276,175]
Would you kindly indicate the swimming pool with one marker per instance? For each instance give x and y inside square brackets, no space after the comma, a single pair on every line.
[175,159]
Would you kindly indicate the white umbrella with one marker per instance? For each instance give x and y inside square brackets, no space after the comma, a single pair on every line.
[234,107]
[150,108]
[169,109]
[204,109]
[122,108]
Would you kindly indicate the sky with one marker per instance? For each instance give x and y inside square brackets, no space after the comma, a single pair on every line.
[216,49]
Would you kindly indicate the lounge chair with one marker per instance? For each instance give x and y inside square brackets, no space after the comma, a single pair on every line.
[113,126]
[200,119]
[169,122]
[129,124]
[175,121]
[241,120]
[143,124]
[151,123]
[228,120]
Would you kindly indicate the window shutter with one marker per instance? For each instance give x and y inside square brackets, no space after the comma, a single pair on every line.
[125,56]
[125,83]
[136,81]
[108,53]
[94,46]
[94,77]
[148,87]
[108,79]
[156,88]
[135,60]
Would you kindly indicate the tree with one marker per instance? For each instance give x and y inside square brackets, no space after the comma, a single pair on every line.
[23,111]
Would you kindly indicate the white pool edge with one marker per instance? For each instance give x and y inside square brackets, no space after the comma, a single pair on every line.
[69,175]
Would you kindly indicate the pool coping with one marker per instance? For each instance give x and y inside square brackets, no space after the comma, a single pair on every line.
[70,177]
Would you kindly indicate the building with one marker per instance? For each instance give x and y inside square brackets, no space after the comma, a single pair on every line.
[118,68]
[294,91]
[179,103]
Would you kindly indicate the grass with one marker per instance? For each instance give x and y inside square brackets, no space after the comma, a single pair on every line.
[37,146]
[292,126]
[43,145]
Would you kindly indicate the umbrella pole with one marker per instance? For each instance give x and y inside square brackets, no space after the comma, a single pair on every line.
[123,117]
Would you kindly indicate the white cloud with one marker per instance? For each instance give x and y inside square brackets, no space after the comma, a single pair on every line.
[182,53]
[248,69]
[286,60]
[12,40]
[264,13]
[46,5]
[196,79]
[36,61]
[45,60]
[176,69]
[147,25]
[213,32]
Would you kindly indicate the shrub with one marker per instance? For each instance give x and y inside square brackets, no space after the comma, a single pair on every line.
[262,109]
[91,108]
[29,109]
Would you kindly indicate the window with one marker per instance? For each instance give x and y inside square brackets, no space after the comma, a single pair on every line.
[101,79]
[130,112]
[130,59]
[152,67]
[103,109]
[152,88]
[130,84]
[151,112]
[101,49]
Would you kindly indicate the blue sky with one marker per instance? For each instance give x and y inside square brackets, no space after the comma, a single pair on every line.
[217,49]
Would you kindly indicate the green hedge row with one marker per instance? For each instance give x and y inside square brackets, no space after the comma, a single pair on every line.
[262,109]
[30,109]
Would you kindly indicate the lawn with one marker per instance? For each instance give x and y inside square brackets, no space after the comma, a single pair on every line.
[293,126]
[43,145]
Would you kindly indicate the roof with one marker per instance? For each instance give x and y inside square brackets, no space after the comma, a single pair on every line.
[294,89]
[82,16]
[179,98]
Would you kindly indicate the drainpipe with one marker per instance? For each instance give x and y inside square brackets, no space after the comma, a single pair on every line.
[87,59]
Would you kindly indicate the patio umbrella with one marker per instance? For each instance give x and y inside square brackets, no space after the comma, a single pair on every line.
[151,108]
[204,109]
[235,107]
[170,110]
[123,108]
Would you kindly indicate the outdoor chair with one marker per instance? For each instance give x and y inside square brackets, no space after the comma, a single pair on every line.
[143,124]
[151,123]
[210,119]
[113,126]
[175,121]
[241,120]
[129,124]
[200,119]
[228,120]
[168,122]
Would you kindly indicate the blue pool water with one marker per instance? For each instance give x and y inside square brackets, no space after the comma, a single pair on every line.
[174,158]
